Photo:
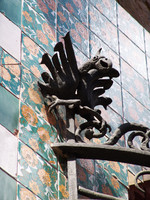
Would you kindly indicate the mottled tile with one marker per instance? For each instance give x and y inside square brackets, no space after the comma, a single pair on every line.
[148,68]
[107,8]
[114,120]
[118,170]
[134,169]
[46,8]
[10,38]
[134,111]
[9,81]
[1,54]
[38,29]
[147,41]
[37,133]
[129,26]
[103,28]
[24,193]
[85,173]
[80,57]
[32,56]
[12,10]
[78,8]
[9,59]
[0,74]
[132,55]
[11,74]
[9,107]
[8,186]
[78,32]
[8,153]
[30,93]
[108,184]
[36,174]
[135,84]
[63,186]
[115,94]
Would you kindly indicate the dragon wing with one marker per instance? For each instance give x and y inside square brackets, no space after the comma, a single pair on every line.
[64,78]
[95,78]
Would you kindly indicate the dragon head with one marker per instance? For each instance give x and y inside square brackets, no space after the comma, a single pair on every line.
[100,63]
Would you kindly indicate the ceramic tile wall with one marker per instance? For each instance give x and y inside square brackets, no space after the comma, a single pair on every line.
[10,37]
[28,30]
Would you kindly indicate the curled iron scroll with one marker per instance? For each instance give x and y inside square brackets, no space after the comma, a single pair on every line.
[137,177]
[138,130]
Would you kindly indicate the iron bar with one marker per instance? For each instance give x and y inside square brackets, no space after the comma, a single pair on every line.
[96,195]
[104,152]
[71,160]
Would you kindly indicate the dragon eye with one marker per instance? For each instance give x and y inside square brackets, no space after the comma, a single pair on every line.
[95,58]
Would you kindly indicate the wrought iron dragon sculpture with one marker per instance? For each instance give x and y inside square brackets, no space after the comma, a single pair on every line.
[81,90]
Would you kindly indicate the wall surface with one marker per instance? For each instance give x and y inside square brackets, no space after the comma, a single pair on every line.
[139,9]
[29,169]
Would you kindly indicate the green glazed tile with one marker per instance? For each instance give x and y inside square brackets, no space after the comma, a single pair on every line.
[23,193]
[47,9]
[9,110]
[10,78]
[37,133]
[108,184]
[10,74]
[38,29]
[1,53]
[63,187]
[32,56]
[7,187]
[30,93]
[36,174]
[8,59]
[12,9]
[0,74]
[117,169]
